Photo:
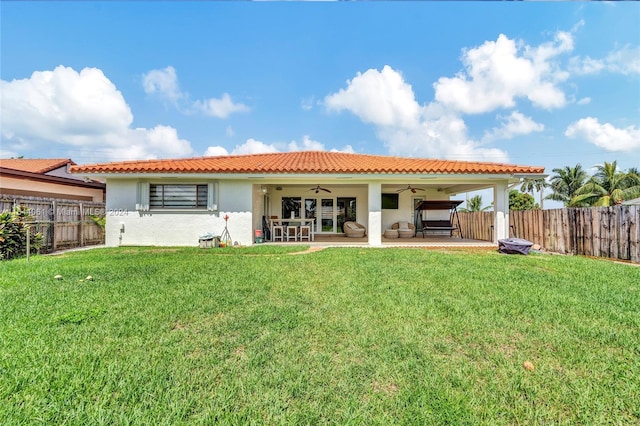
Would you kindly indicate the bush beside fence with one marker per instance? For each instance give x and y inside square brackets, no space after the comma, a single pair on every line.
[63,223]
[612,232]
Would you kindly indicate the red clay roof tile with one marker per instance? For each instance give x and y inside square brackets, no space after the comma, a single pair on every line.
[306,162]
[34,165]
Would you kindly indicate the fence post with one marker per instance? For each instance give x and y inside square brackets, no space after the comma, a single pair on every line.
[572,238]
[28,241]
[634,234]
[81,226]
[54,212]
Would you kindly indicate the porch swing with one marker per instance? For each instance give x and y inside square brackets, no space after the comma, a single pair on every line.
[424,224]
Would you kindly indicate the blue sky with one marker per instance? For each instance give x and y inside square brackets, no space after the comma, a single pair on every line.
[545,83]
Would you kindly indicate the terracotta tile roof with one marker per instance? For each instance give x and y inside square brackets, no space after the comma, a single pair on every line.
[303,162]
[34,165]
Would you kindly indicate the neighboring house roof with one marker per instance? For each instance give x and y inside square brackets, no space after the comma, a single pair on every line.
[305,162]
[52,170]
[35,165]
[633,202]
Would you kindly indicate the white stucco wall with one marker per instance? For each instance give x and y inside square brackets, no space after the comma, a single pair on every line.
[374,231]
[176,228]
[501,206]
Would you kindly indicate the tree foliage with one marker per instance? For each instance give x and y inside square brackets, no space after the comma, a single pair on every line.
[521,201]
[474,204]
[537,184]
[13,234]
[607,187]
[565,182]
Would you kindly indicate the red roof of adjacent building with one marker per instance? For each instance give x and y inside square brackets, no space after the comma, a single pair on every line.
[34,165]
[305,162]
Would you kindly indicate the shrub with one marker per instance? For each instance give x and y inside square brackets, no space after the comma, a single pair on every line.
[101,221]
[13,233]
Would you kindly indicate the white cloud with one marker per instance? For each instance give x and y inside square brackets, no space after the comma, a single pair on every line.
[605,135]
[624,61]
[164,83]
[384,99]
[379,97]
[584,101]
[219,108]
[585,65]
[307,145]
[346,149]
[252,146]
[215,151]
[495,75]
[81,112]
[441,134]
[498,72]
[513,125]
[229,131]
[62,102]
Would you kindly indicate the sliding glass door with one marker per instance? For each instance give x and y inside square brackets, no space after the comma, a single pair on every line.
[327,216]
[332,214]
[346,211]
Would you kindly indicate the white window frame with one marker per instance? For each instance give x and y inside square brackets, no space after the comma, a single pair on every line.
[143,195]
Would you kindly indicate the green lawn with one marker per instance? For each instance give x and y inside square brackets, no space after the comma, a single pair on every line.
[339,336]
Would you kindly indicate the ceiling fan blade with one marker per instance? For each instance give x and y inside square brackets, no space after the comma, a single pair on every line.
[326,190]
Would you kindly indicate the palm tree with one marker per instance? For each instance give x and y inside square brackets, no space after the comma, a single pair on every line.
[634,175]
[474,205]
[565,182]
[608,187]
[538,184]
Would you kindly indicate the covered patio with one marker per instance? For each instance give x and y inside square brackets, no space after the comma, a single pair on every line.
[326,205]
[418,241]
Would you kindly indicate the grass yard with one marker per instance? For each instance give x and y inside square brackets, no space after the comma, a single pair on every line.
[255,335]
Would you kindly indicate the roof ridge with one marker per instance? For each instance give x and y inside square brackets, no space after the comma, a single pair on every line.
[38,165]
[321,162]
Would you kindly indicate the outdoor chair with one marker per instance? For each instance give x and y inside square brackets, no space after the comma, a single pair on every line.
[405,229]
[292,232]
[305,232]
[278,233]
[354,230]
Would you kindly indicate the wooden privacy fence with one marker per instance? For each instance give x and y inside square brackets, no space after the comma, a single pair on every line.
[477,226]
[63,223]
[612,232]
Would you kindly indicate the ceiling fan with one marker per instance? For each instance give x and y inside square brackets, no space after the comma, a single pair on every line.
[410,188]
[318,188]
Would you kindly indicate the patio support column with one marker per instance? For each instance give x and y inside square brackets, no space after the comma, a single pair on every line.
[374,228]
[501,217]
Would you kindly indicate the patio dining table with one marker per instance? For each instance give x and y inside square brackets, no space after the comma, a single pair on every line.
[297,221]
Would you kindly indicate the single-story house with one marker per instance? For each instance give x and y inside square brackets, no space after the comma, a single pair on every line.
[47,178]
[174,201]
